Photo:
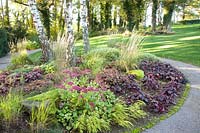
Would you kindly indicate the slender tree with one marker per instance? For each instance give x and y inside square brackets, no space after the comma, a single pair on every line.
[83,15]
[43,7]
[70,35]
[2,8]
[46,51]
[7,14]
[61,22]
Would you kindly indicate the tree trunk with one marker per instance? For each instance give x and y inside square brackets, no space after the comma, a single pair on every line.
[168,11]
[2,13]
[183,17]
[89,14]
[108,17]
[154,14]
[7,14]
[78,23]
[60,23]
[102,8]
[83,14]
[46,51]
[70,35]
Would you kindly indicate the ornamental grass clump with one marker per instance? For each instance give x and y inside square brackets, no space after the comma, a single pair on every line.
[40,116]
[130,52]
[59,50]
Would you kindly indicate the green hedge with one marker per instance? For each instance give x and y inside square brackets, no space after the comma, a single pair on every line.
[194,21]
[4,48]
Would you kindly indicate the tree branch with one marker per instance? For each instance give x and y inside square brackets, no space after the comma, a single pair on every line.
[21,3]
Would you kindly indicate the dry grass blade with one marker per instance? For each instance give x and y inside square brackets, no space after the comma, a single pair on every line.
[131,51]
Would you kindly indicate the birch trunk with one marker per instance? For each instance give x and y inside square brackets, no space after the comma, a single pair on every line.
[70,35]
[46,51]
[83,15]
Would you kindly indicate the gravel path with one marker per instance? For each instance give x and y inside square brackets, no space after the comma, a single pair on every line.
[5,61]
[187,119]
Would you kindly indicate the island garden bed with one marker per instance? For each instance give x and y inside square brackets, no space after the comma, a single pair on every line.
[98,95]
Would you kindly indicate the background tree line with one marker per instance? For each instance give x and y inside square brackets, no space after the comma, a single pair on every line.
[81,18]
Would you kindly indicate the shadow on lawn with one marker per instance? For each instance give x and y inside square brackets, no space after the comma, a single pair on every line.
[184,45]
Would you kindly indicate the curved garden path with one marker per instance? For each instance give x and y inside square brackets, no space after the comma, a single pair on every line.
[187,119]
[5,61]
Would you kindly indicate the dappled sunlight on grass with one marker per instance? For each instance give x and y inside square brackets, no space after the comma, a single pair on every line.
[168,46]
[184,45]
[191,38]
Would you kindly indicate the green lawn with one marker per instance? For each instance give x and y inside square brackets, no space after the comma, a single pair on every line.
[184,45]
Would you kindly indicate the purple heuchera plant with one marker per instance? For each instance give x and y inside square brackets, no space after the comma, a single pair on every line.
[150,82]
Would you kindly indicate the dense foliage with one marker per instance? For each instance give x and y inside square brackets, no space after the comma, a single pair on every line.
[172,84]
[28,79]
[97,59]
[121,84]
[4,48]
[159,88]
[95,110]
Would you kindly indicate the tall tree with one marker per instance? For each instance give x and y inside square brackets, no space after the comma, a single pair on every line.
[128,8]
[2,13]
[83,15]
[108,17]
[154,14]
[169,6]
[43,7]
[70,35]
[61,22]
[46,51]
[7,14]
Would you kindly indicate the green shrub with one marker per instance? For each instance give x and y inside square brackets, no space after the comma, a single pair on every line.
[10,106]
[94,111]
[194,21]
[31,45]
[4,48]
[78,108]
[138,73]
[95,63]
[32,35]
[98,58]
[84,81]
[146,56]
[36,57]
[20,60]
[48,67]
[110,54]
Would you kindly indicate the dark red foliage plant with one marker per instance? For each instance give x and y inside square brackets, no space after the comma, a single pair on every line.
[122,85]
